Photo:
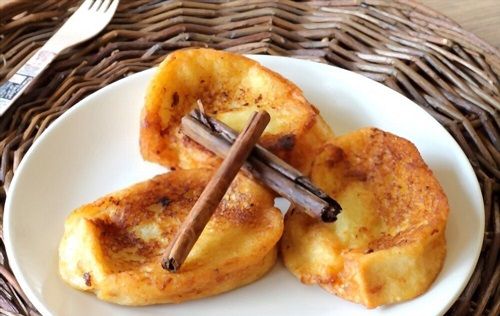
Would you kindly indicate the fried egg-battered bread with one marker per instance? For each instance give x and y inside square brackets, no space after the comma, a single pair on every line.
[230,87]
[388,244]
[113,247]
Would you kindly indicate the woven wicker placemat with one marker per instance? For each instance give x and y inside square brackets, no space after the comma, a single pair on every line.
[422,54]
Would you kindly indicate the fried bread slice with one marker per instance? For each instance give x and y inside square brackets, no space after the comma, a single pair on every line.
[230,87]
[113,246]
[388,244]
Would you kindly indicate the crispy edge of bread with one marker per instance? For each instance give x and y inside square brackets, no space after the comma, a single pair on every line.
[364,277]
[389,274]
[83,261]
[212,283]
[163,143]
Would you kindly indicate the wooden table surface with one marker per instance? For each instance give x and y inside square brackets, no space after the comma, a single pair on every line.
[481,17]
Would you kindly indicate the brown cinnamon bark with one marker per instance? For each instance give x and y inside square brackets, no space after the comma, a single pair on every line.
[198,217]
[264,166]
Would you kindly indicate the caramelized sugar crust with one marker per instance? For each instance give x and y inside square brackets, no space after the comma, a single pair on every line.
[231,87]
[388,244]
[113,246]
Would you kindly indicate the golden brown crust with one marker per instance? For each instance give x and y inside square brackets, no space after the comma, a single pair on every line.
[113,247]
[388,244]
[231,87]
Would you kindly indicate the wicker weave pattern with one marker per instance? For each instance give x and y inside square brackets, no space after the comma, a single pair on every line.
[427,57]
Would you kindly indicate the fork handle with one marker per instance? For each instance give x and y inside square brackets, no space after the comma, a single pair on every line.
[15,85]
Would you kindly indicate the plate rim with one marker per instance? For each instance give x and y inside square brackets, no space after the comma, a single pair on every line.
[10,249]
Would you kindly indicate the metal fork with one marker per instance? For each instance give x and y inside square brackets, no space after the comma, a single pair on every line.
[87,21]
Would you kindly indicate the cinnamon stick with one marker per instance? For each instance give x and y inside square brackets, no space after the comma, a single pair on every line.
[198,217]
[263,165]
[260,153]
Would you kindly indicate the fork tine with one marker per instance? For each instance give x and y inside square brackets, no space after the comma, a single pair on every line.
[112,6]
[104,6]
[95,6]
[99,5]
[86,5]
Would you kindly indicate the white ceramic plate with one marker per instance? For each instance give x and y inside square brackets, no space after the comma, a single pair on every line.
[93,149]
